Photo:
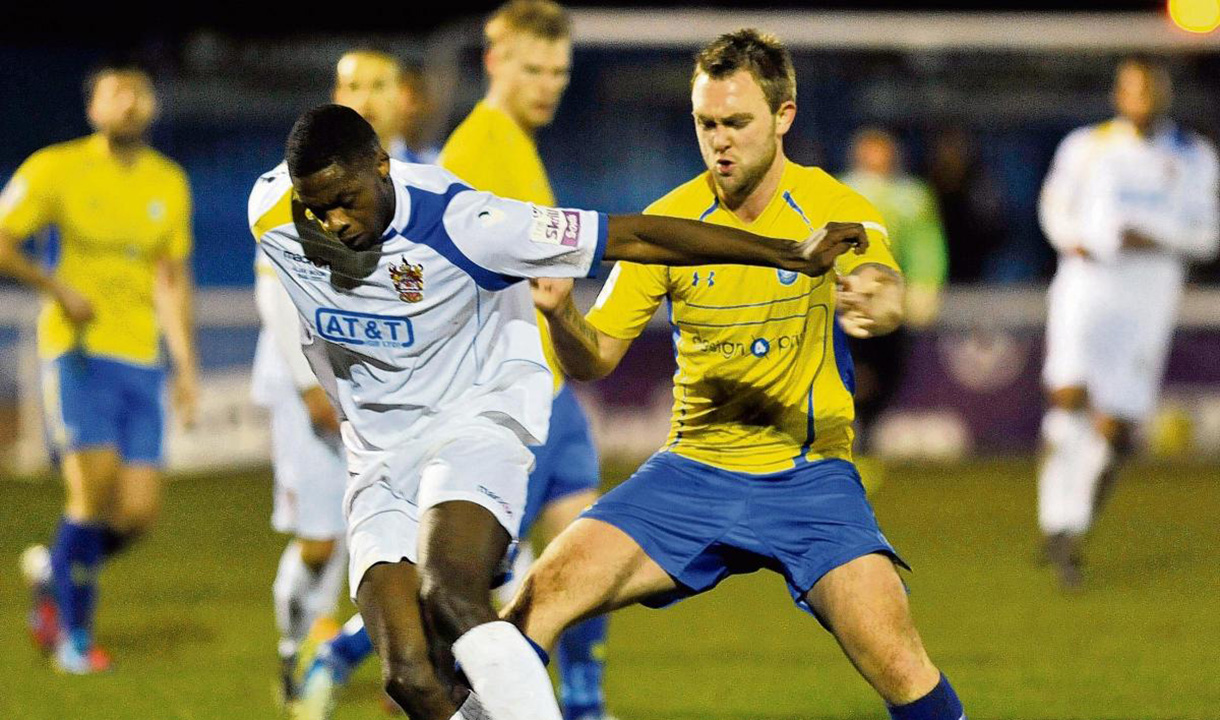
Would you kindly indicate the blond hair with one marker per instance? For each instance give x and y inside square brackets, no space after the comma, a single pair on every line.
[543,19]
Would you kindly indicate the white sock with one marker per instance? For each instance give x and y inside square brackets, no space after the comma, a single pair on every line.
[1076,457]
[472,709]
[288,590]
[1093,462]
[322,593]
[506,673]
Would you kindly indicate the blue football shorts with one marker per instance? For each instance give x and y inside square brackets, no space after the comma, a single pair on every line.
[702,524]
[93,402]
[566,464]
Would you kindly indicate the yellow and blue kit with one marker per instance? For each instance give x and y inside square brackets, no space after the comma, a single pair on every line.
[491,152]
[103,383]
[756,471]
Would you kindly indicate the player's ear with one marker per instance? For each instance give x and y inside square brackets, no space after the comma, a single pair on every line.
[383,164]
[784,117]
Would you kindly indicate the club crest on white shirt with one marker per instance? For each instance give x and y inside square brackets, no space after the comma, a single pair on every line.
[554,226]
[408,280]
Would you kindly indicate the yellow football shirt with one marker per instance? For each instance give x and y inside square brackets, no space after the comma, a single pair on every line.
[763,374]
[491,152]
[115,221]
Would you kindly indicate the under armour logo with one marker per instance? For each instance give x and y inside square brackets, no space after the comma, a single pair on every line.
[711,279]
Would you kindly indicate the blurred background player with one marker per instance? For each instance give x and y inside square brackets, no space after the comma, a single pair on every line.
[373,84]
[123,216]
[418,108]
[918,242]
[528,57]
[756,472]
[1127,204]
[309,474]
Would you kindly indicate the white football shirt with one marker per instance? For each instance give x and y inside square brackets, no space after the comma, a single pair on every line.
[435,320]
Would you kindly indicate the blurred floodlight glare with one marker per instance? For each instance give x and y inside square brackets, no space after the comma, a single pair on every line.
[1196,16]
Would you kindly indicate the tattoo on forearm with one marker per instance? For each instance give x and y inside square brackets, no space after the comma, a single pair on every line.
[579,326]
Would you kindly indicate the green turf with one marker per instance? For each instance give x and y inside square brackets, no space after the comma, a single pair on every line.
[188,614]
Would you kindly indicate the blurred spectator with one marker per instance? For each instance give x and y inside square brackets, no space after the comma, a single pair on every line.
[418,107]
[918,242]
[371,83]
[971,205]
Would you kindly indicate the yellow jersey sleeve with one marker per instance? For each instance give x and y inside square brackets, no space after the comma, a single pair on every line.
[854,208]
[180,241]
[28,203]
[629,298]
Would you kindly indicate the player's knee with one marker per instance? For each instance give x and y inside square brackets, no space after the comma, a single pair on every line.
[137,520]
[455,604]
[1069,398]
[315,554]
[1118,433]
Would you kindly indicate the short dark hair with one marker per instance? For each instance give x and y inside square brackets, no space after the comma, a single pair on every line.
[326,135]
[761,54]
[111,66]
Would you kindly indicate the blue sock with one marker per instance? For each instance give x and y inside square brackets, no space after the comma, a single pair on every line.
[939,704]
[581,665]
[74,563]
[352,647]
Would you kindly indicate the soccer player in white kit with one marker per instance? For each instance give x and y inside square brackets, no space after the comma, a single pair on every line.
[1127,204]
[413,319]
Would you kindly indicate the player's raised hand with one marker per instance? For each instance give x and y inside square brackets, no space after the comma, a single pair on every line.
[550,294]
[824,246]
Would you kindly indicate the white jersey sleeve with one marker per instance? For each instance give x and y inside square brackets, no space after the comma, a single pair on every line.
[1060,207]
[282,322]
[523,240]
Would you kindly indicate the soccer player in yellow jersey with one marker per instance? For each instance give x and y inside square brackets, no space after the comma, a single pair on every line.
[757,471]
[123,282]
[528,59]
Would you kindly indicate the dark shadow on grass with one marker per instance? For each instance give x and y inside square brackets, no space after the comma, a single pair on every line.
[158,636]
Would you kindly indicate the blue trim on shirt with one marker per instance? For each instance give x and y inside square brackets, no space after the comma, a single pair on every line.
[603,235]
[711,209]
[749,322]
[426,226]
[792,203]
[843,360]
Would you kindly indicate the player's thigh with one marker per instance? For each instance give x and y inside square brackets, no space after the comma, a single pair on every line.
[864,604]
[90,479]
[137,498]
[1068,335]
[591,568]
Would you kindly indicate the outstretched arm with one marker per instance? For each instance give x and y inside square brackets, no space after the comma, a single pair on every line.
[584,352]
[658,240]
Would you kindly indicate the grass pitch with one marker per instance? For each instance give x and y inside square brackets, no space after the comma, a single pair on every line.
[188,613]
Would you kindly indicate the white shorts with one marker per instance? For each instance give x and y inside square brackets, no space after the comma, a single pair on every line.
[472,459]
[1109,330]
[310,475]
